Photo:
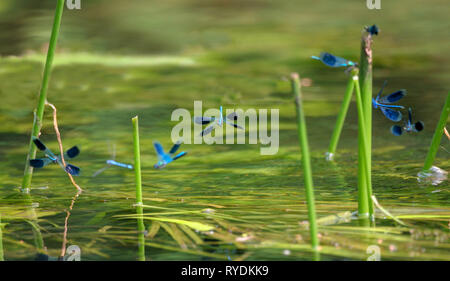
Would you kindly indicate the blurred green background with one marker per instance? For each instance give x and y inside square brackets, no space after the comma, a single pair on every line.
[117,58]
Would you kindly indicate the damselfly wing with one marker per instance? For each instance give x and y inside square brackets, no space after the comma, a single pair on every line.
[52,158]
[385,103]
[166,158]
[333,61]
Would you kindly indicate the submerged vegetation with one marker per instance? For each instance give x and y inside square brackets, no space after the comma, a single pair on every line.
[223,202]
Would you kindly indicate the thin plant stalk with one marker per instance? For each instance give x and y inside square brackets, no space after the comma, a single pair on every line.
[364,190]
[138,180]
[306,161]
[38,239]
[340,120]
[39,113]
[386,212]
[365,80]
[435,142]
[2,257]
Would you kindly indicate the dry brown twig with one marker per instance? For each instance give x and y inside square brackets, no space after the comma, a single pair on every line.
[58,135]
[66,222]
[79,190]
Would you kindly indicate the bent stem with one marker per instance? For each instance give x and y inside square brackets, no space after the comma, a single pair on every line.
[364,191]
[435,142]
[306,161]
[340,120]
[39,113]
[61,150]
[38,240]
[386,212]
[66,225]
[138,180]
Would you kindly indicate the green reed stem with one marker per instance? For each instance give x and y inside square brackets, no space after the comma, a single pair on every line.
[435,142]
[340,120]
[306,161]
[2,257]
[141,233]
[365,80]
[138,180]
[137,160]
[364,190]
[38,240]
[37,123]
[39,113]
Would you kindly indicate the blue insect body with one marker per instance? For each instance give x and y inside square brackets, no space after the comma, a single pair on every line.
[384,103]
[206,120]
[52,158]
[409,126]
[334,61]
[373,30]
[113,162]
[166,158]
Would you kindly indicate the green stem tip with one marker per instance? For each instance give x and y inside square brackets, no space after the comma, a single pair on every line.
[306,161]
[340,120]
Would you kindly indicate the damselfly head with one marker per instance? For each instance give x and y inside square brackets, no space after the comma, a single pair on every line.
[373,30]
[419,126]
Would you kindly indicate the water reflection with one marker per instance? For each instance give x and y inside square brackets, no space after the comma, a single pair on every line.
[66,225]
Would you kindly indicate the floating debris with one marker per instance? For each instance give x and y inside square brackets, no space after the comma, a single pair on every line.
[433,176]
[244,238]
[392,248]
[331,220]
[329,156]
[306,82]
[208,211]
